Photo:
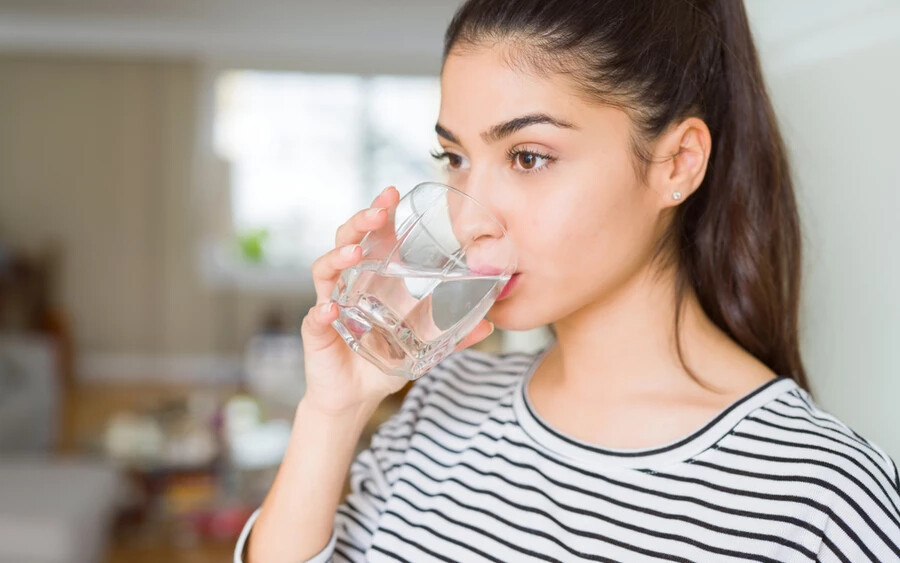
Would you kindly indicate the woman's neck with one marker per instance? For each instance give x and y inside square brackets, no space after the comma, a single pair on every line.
[613,377]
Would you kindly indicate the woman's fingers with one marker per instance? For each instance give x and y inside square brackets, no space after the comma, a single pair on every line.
[327,268]
[387,198]
[359,224]
[316,329]
[479,333]
[368,219]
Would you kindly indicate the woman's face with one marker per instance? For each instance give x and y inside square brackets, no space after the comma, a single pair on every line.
[563,186]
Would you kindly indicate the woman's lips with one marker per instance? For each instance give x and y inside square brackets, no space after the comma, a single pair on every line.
[485,270]
[510,285]
[492,271]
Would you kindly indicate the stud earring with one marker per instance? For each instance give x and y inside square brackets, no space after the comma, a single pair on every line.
[676,195]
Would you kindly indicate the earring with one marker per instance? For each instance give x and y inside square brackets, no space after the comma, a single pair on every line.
[676,195]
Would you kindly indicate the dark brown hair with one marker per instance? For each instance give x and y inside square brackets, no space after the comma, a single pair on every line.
[736,240]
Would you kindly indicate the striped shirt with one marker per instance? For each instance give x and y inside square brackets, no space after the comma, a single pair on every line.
[468,471]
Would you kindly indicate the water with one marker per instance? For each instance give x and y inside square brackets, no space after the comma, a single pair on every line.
[407,320]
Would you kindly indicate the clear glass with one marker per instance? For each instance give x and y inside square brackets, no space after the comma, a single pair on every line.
[426,278]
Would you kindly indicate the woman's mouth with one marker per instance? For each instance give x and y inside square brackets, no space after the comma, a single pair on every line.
[510,285]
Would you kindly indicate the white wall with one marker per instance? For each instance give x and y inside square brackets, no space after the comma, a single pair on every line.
[841,119]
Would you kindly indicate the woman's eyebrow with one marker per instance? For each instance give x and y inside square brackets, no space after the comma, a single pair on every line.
[507,128]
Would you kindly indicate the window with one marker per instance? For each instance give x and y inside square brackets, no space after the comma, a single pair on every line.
[304,152]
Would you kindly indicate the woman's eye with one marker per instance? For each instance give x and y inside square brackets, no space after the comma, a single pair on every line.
[454,161]
[529,161]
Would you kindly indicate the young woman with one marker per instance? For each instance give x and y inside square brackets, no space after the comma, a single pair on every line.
[632,152]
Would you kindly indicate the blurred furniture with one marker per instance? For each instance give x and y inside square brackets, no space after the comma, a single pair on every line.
[29,394]
[273,368]
[180,491]
[29,304]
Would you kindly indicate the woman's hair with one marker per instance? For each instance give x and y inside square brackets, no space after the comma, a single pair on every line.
[736,241]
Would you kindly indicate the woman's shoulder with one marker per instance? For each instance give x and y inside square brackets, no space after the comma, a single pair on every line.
[478,370]
[474,379]
[802,451]
[796,427]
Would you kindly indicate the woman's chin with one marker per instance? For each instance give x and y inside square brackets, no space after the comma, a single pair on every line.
[507,315]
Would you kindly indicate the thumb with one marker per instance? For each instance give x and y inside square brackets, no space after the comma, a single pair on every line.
[484,329]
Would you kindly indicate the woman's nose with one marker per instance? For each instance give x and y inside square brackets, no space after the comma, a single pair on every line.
[471,214]
[472,223]
[480,230]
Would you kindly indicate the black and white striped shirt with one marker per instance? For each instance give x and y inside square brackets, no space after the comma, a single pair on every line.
[468,471]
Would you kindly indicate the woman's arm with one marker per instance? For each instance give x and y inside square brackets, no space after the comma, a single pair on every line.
[296,518]
[372,475]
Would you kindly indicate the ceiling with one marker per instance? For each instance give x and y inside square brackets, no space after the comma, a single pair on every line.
[382,35]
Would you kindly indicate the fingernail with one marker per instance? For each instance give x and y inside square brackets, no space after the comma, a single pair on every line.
[492,329]
[325,308]
[373,212]
[347,251]
[384,191]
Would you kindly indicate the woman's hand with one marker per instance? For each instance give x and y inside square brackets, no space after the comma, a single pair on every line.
[338,380]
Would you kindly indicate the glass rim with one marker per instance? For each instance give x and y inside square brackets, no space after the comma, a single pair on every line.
[483,207]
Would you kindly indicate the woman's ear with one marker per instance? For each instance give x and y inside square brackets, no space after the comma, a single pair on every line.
[679,164]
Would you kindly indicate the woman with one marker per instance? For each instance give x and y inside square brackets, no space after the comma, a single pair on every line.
[631,150]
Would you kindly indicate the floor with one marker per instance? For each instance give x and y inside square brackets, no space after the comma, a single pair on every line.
[207,553]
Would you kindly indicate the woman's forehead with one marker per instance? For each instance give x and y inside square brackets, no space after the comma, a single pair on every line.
[478,87]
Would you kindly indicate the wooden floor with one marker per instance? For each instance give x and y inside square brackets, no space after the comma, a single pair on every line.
[207,553]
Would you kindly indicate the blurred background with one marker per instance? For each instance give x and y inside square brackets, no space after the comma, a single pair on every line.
[169,170]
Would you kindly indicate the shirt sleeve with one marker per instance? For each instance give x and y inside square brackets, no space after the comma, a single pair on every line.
[372,475]
[240,550]
[864,524]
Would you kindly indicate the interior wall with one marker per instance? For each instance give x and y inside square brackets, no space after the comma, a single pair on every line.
[841,119]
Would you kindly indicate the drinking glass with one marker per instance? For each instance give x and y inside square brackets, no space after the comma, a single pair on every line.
[426,278]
